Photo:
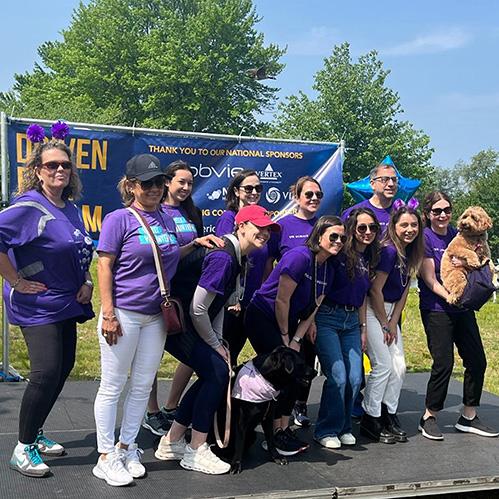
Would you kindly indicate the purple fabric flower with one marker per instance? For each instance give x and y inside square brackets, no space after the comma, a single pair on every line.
[35,133]
[59,130]
[398,203]
[413,203]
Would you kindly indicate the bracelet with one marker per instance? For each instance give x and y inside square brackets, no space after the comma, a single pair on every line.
[16,282]
[89,283]
[363,324]
[284,334]
[385,328]
[297,339]
[108,317]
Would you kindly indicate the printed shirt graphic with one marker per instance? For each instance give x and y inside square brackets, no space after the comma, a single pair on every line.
[186,230]
[396,281]
[435,245]
[135,280]
[294,232]
[49,245]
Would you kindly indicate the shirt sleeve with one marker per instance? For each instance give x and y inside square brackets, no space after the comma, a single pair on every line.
[387,259]
[200,305]
[217,269]
[225,224]
[112,233]
[294,265]
[428,250]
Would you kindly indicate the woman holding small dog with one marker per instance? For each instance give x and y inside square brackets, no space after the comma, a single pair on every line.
[341,329]
[445,326]
[201,346]
[401,255]
[283,309]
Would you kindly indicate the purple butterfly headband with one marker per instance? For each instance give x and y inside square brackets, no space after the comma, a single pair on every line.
[412,204]
[36,133]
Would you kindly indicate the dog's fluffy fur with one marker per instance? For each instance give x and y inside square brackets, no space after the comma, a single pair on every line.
[470,246]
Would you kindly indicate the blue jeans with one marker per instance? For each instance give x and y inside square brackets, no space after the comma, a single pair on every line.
[339,351]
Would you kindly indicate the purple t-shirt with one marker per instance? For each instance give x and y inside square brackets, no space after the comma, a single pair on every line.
[294,232]
[382,214]
[135,280]
[257,259]
[346,291]
[49,245]
[435,245]
[185,229]
[396,281]
[218,269]
[297,263]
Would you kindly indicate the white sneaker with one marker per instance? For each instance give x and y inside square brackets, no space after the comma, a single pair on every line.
[329,442]
[112,469]
[47,446]
[132,461]
[26,459]
[348,439]
[170,451]
[203,460]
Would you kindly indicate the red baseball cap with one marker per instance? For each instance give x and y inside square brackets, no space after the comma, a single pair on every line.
[258,216]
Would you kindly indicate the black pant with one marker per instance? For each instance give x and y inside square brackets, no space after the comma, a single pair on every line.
[442,332]
[264,335]
[234,333]
[51,351]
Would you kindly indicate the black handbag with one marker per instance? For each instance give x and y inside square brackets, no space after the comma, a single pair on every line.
[479,288]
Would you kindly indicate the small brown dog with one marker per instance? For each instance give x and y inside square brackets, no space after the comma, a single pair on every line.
[470,247]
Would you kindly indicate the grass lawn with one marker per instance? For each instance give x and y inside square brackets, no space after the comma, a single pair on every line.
[417,356]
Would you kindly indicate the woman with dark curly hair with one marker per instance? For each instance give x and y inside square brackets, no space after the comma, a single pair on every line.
[45,254]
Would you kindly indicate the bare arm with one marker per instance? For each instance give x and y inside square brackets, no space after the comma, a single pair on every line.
[285,290]
[427,273]
[21,285]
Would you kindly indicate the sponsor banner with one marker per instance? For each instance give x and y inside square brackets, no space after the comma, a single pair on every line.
[101,157]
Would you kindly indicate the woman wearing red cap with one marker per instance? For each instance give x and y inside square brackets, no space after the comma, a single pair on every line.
[201,346]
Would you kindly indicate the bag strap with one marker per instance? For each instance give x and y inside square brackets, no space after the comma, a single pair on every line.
[163,283]
[223,444]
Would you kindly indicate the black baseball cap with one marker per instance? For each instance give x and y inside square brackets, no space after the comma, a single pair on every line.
[143,167]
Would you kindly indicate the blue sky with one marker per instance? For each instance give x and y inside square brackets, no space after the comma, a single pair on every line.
[442,56]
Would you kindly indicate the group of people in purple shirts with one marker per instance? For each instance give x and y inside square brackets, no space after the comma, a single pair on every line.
[332,287]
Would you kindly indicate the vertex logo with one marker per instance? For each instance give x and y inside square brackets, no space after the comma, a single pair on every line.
[269,173]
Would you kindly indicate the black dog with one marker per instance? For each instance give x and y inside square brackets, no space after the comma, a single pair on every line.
[282,368]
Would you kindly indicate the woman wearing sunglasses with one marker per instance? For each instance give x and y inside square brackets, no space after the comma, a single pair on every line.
[131,328]
[400,258]
[341,328]
[295,229]
[245,189]
[45,254]
[282,310]
[445,326]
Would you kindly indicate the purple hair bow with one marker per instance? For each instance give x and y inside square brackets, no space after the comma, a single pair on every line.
[36,133]
[412,204]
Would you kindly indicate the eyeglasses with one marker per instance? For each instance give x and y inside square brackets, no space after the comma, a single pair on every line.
[54,165]
[362,228]
[311,194]
[385,180]
[335,237]
[438,211]
[145,185]
[248,189]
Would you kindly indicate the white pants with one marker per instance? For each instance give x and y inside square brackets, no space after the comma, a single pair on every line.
[384,383]
[139,352]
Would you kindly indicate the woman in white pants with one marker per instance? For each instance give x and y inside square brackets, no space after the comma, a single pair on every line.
[131,329]
[401,255]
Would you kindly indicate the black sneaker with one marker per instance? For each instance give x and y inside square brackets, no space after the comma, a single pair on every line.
[300,415]
[284,444]
[475,426]
[169,414]
[429,428]
[156,423]
[294,437]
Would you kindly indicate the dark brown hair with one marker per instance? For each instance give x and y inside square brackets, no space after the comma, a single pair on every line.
[319,228]
[232,201]
[297,187]
[429,200]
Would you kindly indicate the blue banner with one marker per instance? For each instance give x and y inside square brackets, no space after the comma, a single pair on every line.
[101,157]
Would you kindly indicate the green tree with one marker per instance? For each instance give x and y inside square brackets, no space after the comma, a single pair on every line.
[353,103]
[178,64]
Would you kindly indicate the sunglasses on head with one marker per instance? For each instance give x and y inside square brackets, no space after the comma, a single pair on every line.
[311,194]
[153,182]
[335,237]
[362,228]
[54,165]
[438,211]
[248,189]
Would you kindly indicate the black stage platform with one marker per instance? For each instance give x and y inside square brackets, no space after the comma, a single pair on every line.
[419,467]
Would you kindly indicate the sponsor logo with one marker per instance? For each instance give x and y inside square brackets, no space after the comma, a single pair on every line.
[216,194]
[226,171]
[268,174]
[273,195]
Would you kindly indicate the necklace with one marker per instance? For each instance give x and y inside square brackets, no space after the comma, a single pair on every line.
[315,280]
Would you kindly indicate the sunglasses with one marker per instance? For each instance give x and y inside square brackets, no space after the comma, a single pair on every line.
[385,180]
[335,237]
[362,228]
[310,194]
[154,182]
[438,211]
[54,165]
[248,189]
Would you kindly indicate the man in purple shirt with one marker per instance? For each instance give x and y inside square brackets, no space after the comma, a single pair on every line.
[384,182]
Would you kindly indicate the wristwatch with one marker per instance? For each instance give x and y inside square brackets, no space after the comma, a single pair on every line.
[89,283]
[385,328]
[297,339]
